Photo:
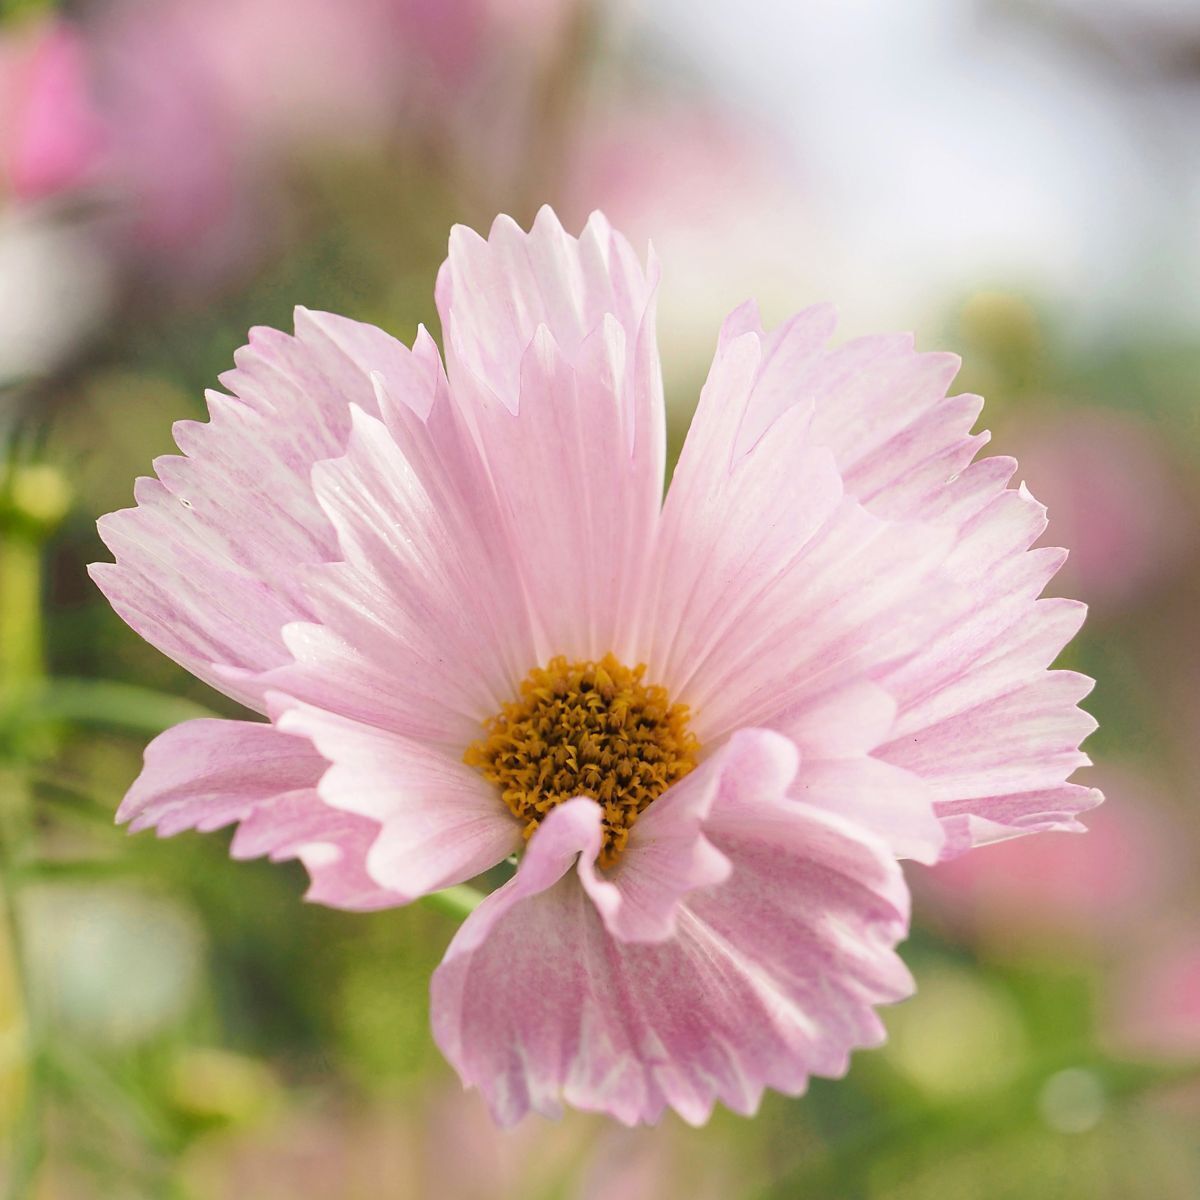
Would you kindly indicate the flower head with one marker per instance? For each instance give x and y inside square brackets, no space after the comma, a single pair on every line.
[708,725]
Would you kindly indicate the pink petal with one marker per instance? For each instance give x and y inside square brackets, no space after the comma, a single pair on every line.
[904,450]
[332,845]
[415,633]
[582,506]
[773,592]
[493,295]
[994,732]
[552,362]
[771,976]
[1003,762]
[206,774]
[440,823]
[206,564]
[845,722]
[872,401]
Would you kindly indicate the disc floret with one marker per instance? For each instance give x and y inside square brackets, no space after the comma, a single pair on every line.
[586,729]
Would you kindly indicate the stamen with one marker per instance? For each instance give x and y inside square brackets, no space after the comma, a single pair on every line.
[586,729]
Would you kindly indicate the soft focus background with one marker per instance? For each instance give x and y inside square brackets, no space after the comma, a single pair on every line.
[1018,180]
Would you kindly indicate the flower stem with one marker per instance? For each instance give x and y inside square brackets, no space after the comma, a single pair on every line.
[21,671]
[458,902]
[20,612]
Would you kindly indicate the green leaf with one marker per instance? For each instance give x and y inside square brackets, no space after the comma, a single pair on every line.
[111,705]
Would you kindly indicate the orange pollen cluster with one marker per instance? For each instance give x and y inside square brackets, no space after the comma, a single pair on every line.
[586,729]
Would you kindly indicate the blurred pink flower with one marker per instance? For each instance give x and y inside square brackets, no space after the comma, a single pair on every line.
[207,101]
[441,1145]
[289,71]
[55,278]
[176,171]
[1116,497]
[435,584]
[435,1144]
[1153,1007]
[51,136]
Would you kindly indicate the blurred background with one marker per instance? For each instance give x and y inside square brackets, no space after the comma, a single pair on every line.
[1017,180]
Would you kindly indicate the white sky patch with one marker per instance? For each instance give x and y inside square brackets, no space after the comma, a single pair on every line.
[949,150]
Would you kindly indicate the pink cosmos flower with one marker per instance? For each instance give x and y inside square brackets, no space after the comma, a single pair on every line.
[708,726]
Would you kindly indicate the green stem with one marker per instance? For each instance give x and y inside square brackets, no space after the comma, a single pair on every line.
[457,902]
[21,671]
[27,1139]
[21,662]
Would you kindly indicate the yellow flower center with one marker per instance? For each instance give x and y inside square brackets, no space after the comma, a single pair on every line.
[586,729]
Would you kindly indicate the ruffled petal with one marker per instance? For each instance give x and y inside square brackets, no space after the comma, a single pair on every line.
[414,633]
[904,451]
[770,976]
[1004,760]
[206,562]
[493,295]
[439,822]
[981,717]
[206,774]
[553,365]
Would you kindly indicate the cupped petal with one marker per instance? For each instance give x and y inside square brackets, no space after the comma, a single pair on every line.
[439,822]
[668,856]
[896,805]
[848,724]
[904,451]
[770,977]
[207,774]
[205,564]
